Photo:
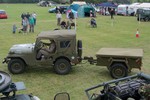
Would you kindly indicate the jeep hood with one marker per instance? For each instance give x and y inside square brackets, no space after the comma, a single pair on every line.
[22,48]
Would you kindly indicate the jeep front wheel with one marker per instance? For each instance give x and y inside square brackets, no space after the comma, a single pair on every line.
[62,66]
[118,70]
[16,66]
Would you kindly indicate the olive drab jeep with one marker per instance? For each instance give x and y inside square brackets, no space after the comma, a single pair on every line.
[68,52]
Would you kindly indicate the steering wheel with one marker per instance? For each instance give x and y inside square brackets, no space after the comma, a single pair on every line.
[39,45]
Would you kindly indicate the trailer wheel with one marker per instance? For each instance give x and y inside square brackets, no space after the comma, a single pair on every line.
[118,70]
[16,66]
[62,66]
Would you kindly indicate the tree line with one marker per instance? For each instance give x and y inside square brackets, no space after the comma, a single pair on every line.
[58,1]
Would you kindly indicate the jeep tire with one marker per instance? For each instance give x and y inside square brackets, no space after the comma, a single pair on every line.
[118,70]
[16,66]
[62,66]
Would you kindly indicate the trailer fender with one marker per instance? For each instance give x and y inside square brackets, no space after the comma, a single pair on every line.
[123,61]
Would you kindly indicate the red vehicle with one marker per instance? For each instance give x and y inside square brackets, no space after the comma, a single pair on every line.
[3,14]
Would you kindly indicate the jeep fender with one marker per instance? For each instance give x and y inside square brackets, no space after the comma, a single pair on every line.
[10,58]
[61,57]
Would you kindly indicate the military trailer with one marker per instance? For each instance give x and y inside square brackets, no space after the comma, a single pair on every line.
[68,52]
[119,61]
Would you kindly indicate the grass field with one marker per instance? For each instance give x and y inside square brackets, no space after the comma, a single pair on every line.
[43,82]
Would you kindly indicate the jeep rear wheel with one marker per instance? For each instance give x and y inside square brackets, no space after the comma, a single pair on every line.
[118,70]
[16,66]
[62,66]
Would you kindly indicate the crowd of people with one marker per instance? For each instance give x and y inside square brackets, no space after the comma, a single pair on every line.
[28,21]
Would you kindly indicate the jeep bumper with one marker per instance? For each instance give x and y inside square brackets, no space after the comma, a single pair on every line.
[6,60]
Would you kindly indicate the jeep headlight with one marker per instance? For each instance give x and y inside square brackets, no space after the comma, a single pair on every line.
[73,57]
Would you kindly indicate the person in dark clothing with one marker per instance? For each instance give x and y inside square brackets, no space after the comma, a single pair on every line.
[23,15]
[57,10]
[71,16]
[93,22]
[126,11]
[112,13]
[63,24]
[27,15]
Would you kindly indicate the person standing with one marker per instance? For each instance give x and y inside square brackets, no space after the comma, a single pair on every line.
[22,17]
[127,11]
[91,13]
[31,24]
[71,16]
[58,16]
[28,15]
[14,29]
[57,9]
[112,13]
[34,17]
[25,24]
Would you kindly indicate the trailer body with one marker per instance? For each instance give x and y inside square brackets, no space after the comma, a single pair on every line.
[119,61]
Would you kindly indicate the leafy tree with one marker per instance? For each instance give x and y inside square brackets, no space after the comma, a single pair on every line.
[89,1]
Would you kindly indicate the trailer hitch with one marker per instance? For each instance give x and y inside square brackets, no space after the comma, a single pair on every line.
[90,59]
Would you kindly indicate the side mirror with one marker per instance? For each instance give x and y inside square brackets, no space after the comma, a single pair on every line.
[62,96]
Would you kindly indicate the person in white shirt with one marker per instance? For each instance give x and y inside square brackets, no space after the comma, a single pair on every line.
[58,16]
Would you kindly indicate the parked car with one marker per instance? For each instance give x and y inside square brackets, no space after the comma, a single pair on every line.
[3,14]
[46,3]
[52,10]
[143,14]
[52,3]
[62,9]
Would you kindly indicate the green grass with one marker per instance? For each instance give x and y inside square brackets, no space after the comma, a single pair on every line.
[43,82]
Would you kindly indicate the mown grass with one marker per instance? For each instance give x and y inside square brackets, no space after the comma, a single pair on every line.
[43,82]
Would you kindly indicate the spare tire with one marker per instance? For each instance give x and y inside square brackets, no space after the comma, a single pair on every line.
[79,48]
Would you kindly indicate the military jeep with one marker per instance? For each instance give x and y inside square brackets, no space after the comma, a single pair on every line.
[68,52]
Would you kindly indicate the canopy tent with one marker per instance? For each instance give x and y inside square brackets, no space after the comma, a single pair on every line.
[74,7]
[84,11]
[107,4]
